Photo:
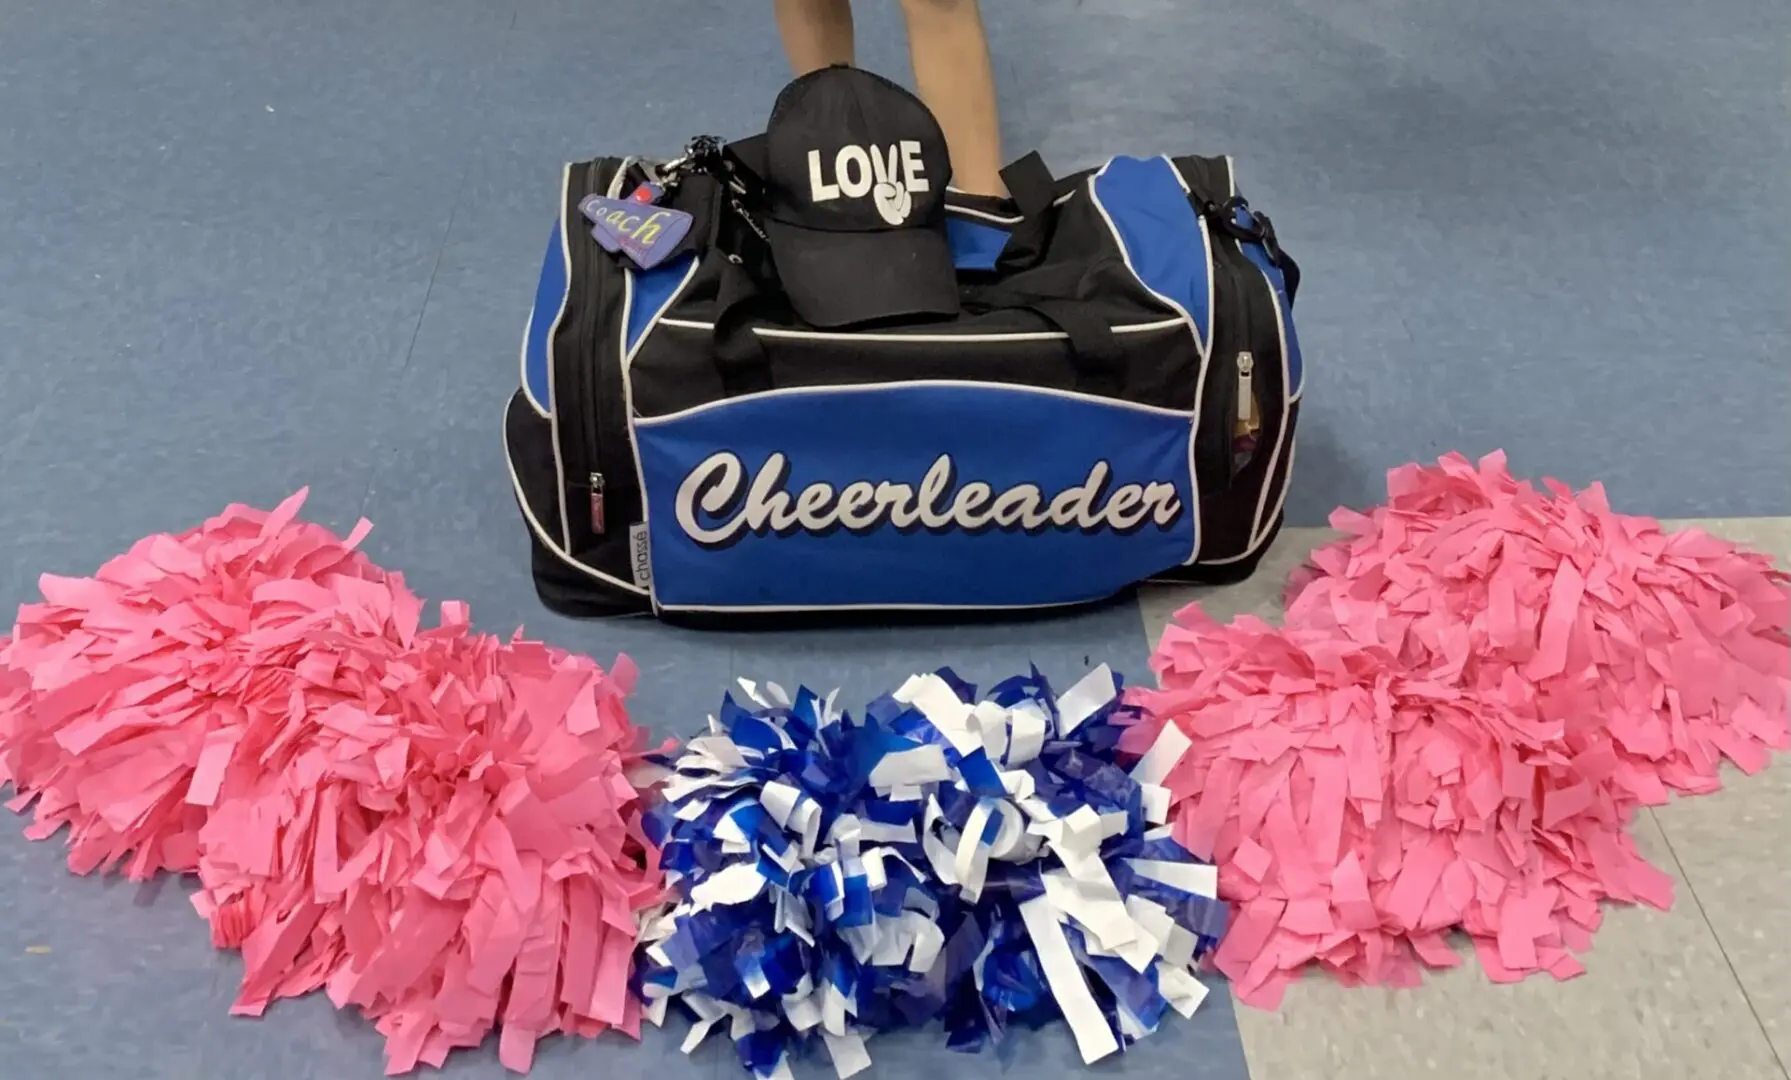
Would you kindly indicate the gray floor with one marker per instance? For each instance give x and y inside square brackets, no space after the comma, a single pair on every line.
[247,245]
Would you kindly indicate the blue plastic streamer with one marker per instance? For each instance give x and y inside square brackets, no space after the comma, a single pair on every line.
[986,863]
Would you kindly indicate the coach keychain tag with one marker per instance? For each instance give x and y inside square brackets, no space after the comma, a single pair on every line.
[635,227]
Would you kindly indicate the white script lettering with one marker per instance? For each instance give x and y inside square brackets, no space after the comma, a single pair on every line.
[719,504]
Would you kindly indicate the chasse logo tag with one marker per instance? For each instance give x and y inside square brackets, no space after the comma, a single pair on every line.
[720,503]
[892,175]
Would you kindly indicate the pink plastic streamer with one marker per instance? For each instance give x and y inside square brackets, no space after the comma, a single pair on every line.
[436,826]
[1470,696]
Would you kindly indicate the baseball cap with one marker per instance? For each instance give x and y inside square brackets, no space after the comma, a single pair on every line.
[855,170]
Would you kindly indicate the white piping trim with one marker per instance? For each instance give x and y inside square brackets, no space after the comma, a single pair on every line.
[1000,219]
[615,182]
[879,388]
[1179,178]
[559,462]
[1240,557]
[1200,348]
[983,215]
[974,339]
[1260,533]
[522,360]
[1293,443]
[541,534]
[796,609]
[658,318]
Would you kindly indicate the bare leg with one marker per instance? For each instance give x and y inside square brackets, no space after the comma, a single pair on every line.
[816,33]
[951,70]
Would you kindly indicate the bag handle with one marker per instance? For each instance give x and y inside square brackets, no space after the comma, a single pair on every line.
[740,356]
[1094,351]
[1033,191]
[1031,185]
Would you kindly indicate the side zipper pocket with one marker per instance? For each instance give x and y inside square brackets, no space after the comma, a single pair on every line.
[1230,382]
[586,356]
[593,387]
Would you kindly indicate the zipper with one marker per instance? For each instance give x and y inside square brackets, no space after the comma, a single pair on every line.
[587,373]
[1219,421]
[593,349]
[597,515]
[1248,424]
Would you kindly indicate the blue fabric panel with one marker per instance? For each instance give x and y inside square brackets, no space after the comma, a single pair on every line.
[975,245]
[550,298]
[652,290]
[1161,235]
[923,494]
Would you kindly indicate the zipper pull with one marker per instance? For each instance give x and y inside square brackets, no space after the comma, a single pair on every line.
[597,522]
[1247,424]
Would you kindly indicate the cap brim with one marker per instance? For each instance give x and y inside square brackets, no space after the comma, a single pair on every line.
[837,279]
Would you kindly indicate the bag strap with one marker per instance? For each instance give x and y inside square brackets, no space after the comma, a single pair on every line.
[1031,185]
[1033,190]
[740,356]
[1094,352]
[1210,189]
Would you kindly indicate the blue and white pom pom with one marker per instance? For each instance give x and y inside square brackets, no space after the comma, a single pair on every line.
[981,863]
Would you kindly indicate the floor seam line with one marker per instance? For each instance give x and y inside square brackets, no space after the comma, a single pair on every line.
[435,270]
[1721,949]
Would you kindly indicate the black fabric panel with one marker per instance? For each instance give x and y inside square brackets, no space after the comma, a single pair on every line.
[676,369]
[1222,573]
[1209,178]
[528,443]
[566,591]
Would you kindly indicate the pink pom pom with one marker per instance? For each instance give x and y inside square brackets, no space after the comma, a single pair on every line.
[1656,653]
[435,826]
[113,688]
[1469,699]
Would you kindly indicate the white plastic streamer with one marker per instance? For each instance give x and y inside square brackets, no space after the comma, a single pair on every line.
[716,780]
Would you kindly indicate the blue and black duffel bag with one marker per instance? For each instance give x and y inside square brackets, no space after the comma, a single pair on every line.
[1113,400]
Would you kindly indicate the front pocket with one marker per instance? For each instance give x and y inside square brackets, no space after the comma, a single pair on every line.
[914,495]
[675,369]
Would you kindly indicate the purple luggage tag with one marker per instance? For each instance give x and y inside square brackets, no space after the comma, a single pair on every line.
[645,233]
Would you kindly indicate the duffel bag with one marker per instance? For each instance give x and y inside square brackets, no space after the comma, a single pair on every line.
[1115,402]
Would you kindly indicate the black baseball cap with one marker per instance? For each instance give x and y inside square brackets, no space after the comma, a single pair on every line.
[855,173]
